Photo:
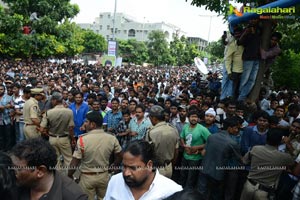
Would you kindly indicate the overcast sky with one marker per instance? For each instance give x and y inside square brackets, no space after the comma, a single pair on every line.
[193,20]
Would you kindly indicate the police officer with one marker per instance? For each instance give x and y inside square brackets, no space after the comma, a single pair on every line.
[267,163]
[165,139]
[59,121]
[92,152]
[32,113]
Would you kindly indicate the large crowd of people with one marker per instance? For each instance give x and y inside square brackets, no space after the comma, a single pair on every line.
[166,129]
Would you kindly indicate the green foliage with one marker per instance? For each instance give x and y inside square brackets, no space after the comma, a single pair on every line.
[183,52]
[56,10]
[286,70]
[179,50]
[159,53]
[216,50]
[133,51]
[10,23]
[72,38]
[51,35]
[93,42]
[291,35]
[221,6]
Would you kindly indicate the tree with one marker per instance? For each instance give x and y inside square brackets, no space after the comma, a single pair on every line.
[192,52]
[288,63]
[159,52]
[71,37]
[48,33]
[216,49]
[93,42]
[290,32]
[221,7]
[178,50]
[133,51]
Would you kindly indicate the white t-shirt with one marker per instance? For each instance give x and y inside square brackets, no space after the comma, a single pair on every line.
[160,188]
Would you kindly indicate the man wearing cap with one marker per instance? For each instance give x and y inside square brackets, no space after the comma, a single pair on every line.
[209,121]
[32,113]
[92,153]
[165,139]
[59,121]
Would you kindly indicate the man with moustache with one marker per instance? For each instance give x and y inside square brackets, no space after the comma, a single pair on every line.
[209,121]
[179,124]
[34,163]
[112,117]
[140,124]
[193,138]
[79,109]
[139,179]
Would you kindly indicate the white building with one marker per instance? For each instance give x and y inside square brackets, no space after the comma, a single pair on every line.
[3,4]
[201,43]
[128,28]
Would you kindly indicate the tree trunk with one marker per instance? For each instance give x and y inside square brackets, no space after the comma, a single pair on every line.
[265,43]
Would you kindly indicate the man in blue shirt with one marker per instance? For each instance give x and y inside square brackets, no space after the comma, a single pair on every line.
[113,117]
[80,109]
[140,124]
[256,135]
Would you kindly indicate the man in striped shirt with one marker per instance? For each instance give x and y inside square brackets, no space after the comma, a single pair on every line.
[19,103]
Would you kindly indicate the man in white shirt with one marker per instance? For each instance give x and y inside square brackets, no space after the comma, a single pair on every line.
[140,180]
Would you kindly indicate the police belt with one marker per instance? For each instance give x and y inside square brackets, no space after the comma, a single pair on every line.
[262,187]
[92,173]
[58,136]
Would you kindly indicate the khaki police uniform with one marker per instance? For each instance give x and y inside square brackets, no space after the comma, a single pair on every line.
[58,120]
[267,164]
[94,150]
[31,110]
[166,141]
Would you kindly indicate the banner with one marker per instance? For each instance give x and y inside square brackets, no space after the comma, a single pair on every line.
[112,48]
[108,60]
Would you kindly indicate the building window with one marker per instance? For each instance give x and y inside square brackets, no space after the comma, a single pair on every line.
[108,27]
[131,33]
[101,16]
[100,27]
[108,16]
[167,34]
[125,31]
